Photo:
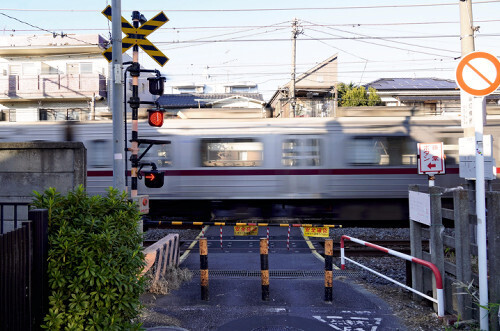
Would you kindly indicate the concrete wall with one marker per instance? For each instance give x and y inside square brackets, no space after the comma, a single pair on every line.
[29,166]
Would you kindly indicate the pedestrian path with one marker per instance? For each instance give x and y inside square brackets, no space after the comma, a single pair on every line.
[296,292]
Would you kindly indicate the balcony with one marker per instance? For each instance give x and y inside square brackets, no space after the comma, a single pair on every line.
[74,87]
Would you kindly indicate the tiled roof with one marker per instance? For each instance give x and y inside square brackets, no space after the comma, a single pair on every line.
[181,101]
[385,84]
[199,100]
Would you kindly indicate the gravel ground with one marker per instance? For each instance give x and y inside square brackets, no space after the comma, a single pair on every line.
[415,315]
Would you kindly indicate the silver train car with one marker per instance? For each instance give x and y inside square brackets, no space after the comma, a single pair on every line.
[343,169]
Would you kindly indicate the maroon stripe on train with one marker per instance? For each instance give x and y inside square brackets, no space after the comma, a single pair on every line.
[279,172]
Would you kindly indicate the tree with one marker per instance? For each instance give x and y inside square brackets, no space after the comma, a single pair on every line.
[373,97]
[351,95]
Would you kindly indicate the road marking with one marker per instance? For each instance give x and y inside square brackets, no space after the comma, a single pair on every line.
[351,323]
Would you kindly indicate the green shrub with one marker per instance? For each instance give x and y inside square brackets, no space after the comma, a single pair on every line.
[95,260]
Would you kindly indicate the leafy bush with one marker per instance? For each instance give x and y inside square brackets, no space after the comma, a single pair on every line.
[95,260]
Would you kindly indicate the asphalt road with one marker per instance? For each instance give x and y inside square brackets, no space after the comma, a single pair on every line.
[296,290]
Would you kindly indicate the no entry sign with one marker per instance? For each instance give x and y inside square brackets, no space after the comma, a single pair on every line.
[478,73]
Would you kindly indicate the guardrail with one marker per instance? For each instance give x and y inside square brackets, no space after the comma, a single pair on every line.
[163,253]
[434,269]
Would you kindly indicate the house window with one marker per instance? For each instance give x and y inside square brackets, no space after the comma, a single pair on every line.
[8,115]
[86,67]
[45,115]
[15,69]
[48,69]
[29,69]
[231,152]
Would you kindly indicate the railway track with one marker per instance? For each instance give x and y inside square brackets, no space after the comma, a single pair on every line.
[351,249]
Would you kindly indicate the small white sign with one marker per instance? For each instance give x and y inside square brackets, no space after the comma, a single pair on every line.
[466,105]
[420,207]
[430,158]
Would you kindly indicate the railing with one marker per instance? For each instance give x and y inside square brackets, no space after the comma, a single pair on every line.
[435,270]
[78,85]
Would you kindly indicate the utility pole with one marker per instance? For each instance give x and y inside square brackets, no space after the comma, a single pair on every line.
[117,98]
[476,131]
[296,30]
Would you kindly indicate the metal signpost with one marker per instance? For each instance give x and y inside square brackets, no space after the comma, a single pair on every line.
[478,74]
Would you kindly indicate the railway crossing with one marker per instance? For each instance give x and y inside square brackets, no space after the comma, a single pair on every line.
[296,289]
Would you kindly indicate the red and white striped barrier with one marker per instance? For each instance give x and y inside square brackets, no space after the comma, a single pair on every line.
[435,270]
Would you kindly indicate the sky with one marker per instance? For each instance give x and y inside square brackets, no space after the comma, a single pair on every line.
[220,41]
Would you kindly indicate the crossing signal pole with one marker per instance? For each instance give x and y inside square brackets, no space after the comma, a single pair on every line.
[134,105]
[136,37]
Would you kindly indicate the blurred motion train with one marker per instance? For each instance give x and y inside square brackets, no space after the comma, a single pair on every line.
[331,169]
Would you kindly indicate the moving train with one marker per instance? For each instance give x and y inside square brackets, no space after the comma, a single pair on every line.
[331,169]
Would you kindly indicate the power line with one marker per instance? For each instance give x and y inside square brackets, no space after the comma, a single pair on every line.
[265,9]
[54,34]
[264,26]
[390,41]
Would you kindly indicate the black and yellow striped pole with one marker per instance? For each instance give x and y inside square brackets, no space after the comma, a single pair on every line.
[264,268]
[204,268]
[328,269]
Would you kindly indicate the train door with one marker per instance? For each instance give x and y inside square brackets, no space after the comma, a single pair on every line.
[301,155]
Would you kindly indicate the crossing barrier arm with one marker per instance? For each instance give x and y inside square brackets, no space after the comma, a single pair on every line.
[434,269]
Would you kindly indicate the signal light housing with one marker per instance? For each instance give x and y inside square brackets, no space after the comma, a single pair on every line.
[154,178]
[156,85]
[155,117]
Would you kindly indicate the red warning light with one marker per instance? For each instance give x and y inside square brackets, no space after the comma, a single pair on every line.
[155,118]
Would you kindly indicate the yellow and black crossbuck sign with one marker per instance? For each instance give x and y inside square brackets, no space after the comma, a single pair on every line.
[137,36]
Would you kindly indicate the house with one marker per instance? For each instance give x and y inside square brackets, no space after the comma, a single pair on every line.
[432,95]
[314,92]
[214,105]
[46,77]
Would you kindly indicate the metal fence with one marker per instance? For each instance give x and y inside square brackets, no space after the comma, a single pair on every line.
[23,274]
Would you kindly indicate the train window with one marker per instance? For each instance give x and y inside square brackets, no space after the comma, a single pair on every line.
[101,152]
[231,152]
[161,155]
[393,151]
[300,152]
